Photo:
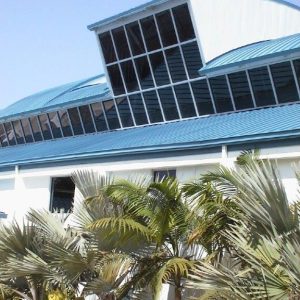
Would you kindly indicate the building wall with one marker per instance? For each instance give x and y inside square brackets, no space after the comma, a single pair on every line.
[31,188]
[224,25]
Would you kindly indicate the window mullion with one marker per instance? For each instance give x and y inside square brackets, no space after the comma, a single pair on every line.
[230,92]
[273,85]
[295,78]
[251,89]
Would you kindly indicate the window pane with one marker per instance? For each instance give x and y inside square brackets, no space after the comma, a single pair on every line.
[261,85]
[107,47]
[86,118]
[27,130]
[183,22]
[166,28]
[185,100]
[284,82]
[240,90]
[116,79]
[121,43]
[55,125]
[10,134]
[99,116]
[62,192]
[297,69]
[192,59]
[36,129]
[202,97]
[75,121]
[168,103]
[3,138]
[18,132]
[153,107]
[175,64]
[135,38]
[138,109]
[159,69]
[124,112]
[65,123]
[144,72]
[129,76]
[163,174]
[46,131]
[221,94]
[111,114]
[150,34]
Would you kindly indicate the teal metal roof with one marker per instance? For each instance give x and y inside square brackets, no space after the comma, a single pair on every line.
[206,132]
[73,93]
[254,53]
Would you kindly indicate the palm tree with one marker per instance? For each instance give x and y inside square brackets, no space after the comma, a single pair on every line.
[150,223]
[264,257]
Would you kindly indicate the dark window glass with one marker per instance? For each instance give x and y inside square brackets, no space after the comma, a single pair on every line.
[175,64]
[138,109]
[144,72]
[185,100]
[183,22]
[75,121]
[36,129]
[166,28]
[153,107]
[261,85]
[135,38]
[62,194]
[107,47]
[240,90]
[297,69]
[129,76]
[221,94]
[163,174]
[284,82]
[192,59]
[168,103]
[159,69]
[150,34]
[124,112]
[46,131]
[3,137]
[86,118]
[116,79]
[10,134]
[27,130]
[99,116]
[65,123]
[18,132]
[111,114]
[202,97]
[55,125]
[121,44]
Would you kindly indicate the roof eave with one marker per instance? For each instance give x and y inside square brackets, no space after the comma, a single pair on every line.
[152,150]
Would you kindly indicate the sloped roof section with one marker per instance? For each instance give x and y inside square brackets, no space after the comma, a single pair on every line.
[253,53]
[217,130]
[64,95]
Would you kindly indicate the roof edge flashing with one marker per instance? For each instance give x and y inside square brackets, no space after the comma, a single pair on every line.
[126,14]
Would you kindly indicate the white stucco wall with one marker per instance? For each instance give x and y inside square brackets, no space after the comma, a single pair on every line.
[223,25]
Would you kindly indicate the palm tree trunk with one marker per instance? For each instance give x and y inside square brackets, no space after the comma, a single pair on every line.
[177,293]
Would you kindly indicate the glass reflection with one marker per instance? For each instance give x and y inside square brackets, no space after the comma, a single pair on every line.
[65,123]
[36,129]
[18,132]
[168,103]
[153,107]
[55,125]
[99,118]
[185,100]
[46,131]
[27,130]
[111,114]
[86,118]
[124,112]
[138,109]
[75,121]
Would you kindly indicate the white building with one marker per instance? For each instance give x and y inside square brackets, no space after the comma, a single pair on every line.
[188,85]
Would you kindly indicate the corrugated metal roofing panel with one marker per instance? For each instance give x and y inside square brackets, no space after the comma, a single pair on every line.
[256,125]
[56,97]
[254,52]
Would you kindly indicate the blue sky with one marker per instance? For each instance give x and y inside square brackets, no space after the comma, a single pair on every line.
[45,43]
